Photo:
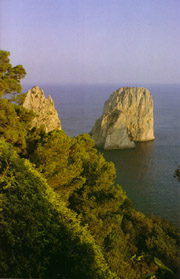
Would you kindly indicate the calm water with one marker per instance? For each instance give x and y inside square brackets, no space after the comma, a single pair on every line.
[146,172]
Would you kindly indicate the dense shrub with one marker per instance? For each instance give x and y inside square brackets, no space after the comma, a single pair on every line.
[39,235]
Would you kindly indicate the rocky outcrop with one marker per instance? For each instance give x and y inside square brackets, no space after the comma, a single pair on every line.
[46,113]
[127,117]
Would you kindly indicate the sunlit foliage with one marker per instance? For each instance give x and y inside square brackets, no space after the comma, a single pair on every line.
[10,77]
[15,122]
[123,234]
[39,235]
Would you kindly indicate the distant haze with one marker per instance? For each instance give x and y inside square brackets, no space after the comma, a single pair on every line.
[86,41]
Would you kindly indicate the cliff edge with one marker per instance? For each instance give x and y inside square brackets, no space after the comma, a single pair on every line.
[46,113]
[127,117]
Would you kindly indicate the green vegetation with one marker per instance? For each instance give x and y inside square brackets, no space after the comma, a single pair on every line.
[15,123]
[40,236]
[61,216]
[10,77]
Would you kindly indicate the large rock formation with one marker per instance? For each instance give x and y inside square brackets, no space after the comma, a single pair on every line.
[46,113]
[127,117]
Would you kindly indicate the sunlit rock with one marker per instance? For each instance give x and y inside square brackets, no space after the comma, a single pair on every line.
[46,113]
[127,117]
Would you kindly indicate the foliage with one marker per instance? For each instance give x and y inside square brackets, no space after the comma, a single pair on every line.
[118,229]
[15,121]
[154,238]
[39,235]
[10,77]
[57,158]
[162,266]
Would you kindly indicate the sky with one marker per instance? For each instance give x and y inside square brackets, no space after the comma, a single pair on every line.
[93,41]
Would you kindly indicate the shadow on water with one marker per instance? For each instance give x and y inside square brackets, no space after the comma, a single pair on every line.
[146,174]
[132,160]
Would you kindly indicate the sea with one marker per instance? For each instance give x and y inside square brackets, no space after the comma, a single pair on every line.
[146,173]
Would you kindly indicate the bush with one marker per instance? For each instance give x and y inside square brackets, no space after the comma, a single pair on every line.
[39,235]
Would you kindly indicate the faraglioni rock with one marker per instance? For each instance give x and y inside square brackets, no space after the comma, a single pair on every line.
[46,113]
[127,117]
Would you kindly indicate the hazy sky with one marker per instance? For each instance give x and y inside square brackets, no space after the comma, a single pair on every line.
[93,41]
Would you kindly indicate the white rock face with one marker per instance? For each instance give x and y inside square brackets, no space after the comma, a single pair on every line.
[46,113]
[127,117]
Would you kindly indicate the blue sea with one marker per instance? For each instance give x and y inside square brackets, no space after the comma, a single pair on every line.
[146,173]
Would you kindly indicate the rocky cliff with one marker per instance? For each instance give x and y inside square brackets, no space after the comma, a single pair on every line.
[127,117]
[46,113]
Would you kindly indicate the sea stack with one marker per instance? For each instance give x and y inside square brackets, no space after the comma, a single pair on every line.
[127,117]
[46,113]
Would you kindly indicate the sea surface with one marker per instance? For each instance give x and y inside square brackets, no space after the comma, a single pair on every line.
[146,173]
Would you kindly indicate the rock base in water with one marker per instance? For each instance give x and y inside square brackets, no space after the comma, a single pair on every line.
[127,117]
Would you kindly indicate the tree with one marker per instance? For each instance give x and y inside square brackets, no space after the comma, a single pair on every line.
[15,122]
[82,177]
[57,158]
[10,77]
[39,236]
